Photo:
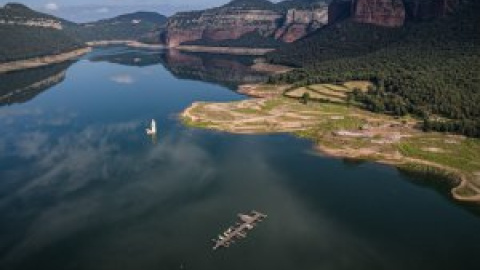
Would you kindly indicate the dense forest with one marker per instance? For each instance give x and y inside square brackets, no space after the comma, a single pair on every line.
[25,42]
[429,69]
[21,42]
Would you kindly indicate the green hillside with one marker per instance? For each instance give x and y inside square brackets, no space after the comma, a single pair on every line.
[132,26]
[428,69]
[20,41]
[28,33]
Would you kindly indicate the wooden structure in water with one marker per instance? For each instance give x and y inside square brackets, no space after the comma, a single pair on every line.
[240,230]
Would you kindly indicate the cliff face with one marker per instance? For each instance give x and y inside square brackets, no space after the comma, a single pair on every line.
[390,13]
[424,10]
[299,23]
[236,19]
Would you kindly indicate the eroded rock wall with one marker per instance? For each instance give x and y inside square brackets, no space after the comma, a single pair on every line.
[389,13]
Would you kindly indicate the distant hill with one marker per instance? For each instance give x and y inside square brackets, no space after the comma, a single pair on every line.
[133,26]
[26,33]
[429,68]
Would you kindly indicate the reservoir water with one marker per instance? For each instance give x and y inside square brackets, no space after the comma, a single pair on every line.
[83,187]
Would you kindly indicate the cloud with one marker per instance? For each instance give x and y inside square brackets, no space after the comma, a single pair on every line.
[51,6]
[123,79]
[102,10]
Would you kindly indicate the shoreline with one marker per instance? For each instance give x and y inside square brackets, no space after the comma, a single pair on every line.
[269,112]
[43,60]
[129,43]
[224,50]
[192,48]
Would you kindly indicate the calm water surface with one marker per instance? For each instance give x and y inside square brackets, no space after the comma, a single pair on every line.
[83,187]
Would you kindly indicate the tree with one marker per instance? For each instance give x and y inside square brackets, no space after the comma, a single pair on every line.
[305,97]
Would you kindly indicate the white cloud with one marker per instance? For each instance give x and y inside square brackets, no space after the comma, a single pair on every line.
[102,10]
[123,79]
[51,6]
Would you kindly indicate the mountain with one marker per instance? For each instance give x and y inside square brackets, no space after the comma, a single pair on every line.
[250,4]
[34,34]
[133,26]
[286,22]
[302,4]
[26,33]
[428,69]
[390,13]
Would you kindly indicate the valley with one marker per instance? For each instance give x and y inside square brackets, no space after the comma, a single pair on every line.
[129,141]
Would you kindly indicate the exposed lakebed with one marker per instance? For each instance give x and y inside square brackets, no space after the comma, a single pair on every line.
[83,187]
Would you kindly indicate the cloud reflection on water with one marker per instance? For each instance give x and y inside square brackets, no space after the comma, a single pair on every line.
[123,79]
[161,204]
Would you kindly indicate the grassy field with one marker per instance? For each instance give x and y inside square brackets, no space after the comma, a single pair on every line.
[335,93]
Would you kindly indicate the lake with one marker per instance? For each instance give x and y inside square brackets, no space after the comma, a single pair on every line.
[83,187]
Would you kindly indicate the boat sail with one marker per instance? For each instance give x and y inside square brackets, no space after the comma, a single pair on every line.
[153,128]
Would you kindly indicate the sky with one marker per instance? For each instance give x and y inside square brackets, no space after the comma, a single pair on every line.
[88,10]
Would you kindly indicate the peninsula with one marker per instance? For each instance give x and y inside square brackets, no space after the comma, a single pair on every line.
[341,127]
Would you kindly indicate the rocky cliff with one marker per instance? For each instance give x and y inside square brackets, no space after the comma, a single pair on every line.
[389,13]
[298,23]
[241,17]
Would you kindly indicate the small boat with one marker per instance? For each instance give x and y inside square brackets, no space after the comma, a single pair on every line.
[153,128]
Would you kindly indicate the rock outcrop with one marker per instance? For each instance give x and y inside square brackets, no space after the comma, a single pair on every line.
[241,17]
[389,13]
[299,23]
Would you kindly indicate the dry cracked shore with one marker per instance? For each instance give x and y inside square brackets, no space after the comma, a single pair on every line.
[345,130]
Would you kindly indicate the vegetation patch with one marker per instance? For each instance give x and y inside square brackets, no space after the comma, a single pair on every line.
[427,69]
[348,131]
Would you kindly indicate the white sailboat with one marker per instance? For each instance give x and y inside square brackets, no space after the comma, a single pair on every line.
[153,128]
